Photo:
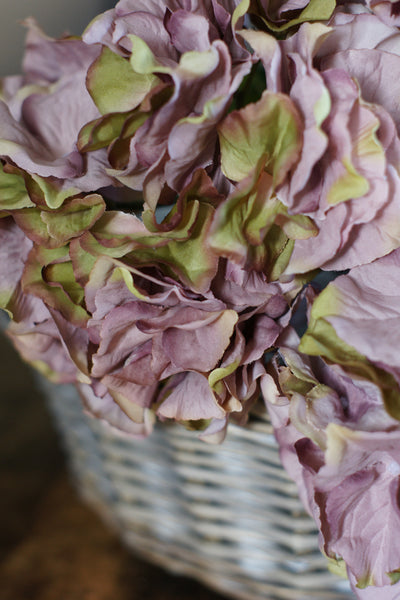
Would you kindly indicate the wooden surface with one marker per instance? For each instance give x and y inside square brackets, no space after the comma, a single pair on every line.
[52,546]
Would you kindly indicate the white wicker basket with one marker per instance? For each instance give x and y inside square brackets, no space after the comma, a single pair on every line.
[227,515]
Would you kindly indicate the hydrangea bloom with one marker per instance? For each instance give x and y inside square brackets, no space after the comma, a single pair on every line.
[342,448]
[185,63]
[360,312]
[169,183]
[345,178]
[207,348]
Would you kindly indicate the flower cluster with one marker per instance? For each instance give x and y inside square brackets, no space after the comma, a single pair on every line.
[199,204]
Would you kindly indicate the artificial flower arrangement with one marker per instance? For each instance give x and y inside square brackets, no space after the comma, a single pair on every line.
[200,203]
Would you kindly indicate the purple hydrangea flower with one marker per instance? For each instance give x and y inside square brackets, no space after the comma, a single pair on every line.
[342,448]
[190,54]
[43,112]
[341,78]
[206,349]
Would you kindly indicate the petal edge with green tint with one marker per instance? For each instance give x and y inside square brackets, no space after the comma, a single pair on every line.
[101,132]
[114,85]
[74,218]
[269,130]
[142,58]
[349,186]
[320,339]
[243,219]
[253,228]
[191,259]
[13,192]
[315,10]
[49,275]
[48,191]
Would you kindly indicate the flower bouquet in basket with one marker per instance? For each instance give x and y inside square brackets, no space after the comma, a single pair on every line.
[200,206]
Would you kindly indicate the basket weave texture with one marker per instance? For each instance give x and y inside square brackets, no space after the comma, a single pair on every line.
[226,515]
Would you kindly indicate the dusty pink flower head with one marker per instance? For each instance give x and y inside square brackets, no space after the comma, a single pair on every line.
[206,350]
[342,79]
[342,449]
[185,62]
[362,308]
[336,414]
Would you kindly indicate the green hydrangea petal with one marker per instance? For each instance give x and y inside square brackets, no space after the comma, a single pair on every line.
[321,339]
[191,259]
[269,130]
[76,216]
[114,85]
[49,275]
[47,191]
[315,10]
[13,192]
[142,58]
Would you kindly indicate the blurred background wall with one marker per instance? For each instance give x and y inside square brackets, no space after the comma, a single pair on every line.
[55,17]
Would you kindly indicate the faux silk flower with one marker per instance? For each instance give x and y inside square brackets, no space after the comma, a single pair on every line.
[172,184]
[206,349]
[359,312]
[342,448]
[186,63]
[43,112]
[345,179]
